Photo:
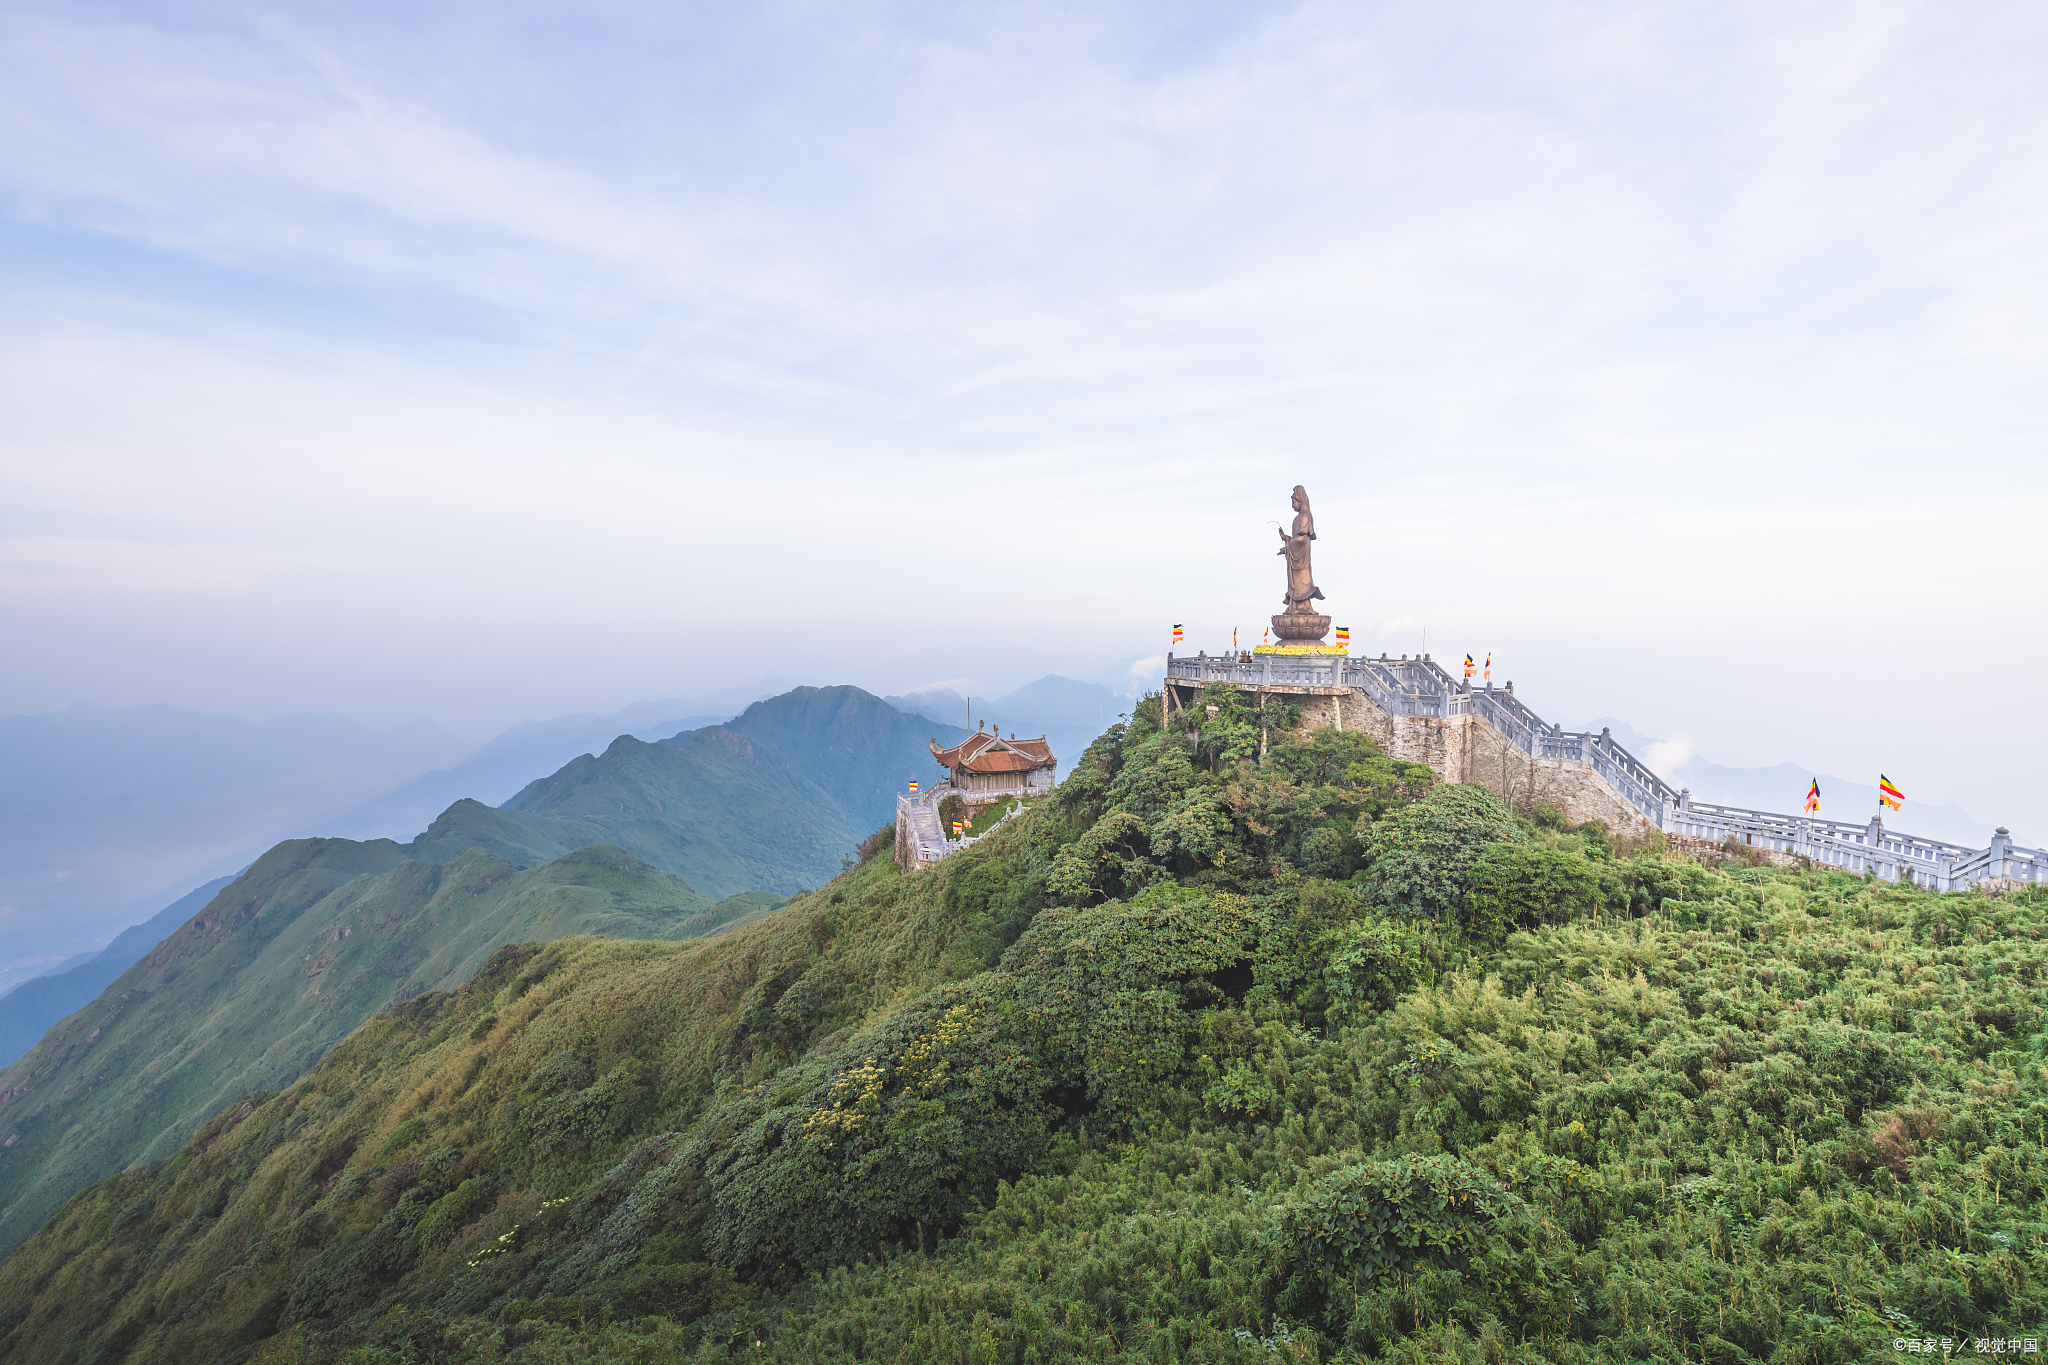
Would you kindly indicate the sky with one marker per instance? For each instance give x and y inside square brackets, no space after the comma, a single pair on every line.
[481,362]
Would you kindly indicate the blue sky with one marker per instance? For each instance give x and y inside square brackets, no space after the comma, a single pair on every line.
[484,362]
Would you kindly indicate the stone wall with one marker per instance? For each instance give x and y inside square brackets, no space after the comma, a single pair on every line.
[1468,749]
[1492,761]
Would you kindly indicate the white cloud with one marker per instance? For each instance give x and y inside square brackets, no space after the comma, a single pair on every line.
[835,340]
[1668,756]
[964,686]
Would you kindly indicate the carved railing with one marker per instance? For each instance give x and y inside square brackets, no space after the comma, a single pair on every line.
[1419,687]
[1864,848]
[926,851]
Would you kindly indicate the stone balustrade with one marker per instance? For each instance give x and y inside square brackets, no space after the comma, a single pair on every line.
[1419,688]
[921,839]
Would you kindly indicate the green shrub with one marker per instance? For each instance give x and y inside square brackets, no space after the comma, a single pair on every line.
[1372,963]
[1518,886]
[1420,859]
[563,1071]
[404,1135]
[1374,1220]
[1240,1093]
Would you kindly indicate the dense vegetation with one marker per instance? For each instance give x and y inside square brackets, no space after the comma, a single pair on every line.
[1250,1044]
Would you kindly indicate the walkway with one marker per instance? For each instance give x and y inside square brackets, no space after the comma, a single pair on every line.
[921,838]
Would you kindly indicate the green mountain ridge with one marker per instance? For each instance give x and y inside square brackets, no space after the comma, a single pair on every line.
[28,1010]
[1249,1044]
[101,808]
[319,934]
[771,800]
[249,994]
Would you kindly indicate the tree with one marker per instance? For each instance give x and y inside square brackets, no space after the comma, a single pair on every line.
[1419,860]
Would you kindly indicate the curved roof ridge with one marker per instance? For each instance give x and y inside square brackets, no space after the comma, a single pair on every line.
[986,751]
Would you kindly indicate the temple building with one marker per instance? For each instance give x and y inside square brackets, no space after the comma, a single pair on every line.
[985,766]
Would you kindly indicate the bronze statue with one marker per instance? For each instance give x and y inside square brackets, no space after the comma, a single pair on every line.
[1301,579]
[1301,626]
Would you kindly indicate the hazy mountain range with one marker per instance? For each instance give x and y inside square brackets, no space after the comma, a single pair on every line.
[1072,713]
[1782,786]
[672,839]
[1069,714]
[109,814]
[31,1007]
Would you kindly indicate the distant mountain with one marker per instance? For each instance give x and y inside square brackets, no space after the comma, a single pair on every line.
[1068,713]
[1781,787]
[28,1010]
[107,813]
[946,706]
[319,934]
[102,809]
[771,799]
[508,762]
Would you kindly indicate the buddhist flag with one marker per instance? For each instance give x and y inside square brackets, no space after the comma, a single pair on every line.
[1343,635]
[1233,637]
[1266,635]
[1470,667]
[957,829]
[1889,795]
[1489,666]
[1813,796]
[1176,632]
[913,788]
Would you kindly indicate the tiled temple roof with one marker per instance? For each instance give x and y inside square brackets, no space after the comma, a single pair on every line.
[983,752]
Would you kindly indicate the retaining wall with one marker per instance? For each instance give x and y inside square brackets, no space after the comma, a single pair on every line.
[1466,749]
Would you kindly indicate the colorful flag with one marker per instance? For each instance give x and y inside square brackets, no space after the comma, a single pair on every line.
[1233,637]
[1489,667]
[1889,795]
[1343,635]
[1176,632]
[958,828]
[1470,668]
[913,788]
[1813,796]
[1266,635]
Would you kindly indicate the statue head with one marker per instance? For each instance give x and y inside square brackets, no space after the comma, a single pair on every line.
[1304,520]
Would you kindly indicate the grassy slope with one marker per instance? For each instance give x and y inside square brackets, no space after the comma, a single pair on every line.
[219,1009]
[227,1226]
[251,992]
[1743,1114]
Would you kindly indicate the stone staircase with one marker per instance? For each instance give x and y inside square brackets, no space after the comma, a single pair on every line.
[925,829]
[921,837]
